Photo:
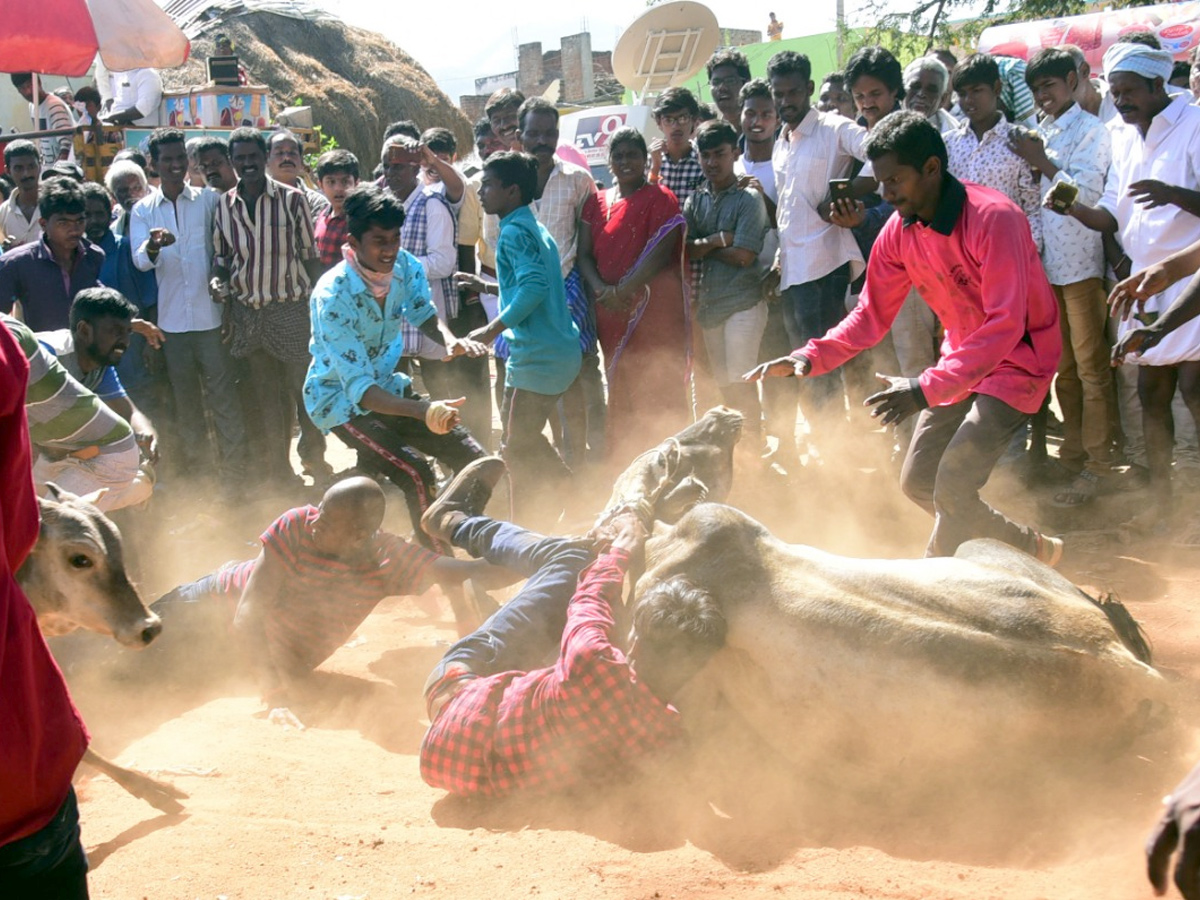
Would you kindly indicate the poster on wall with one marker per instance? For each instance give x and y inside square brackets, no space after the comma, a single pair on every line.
[218,108]
[1176,24]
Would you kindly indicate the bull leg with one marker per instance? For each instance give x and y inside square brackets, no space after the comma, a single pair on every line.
[159,794]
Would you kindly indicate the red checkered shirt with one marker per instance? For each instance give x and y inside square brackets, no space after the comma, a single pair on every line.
[329,233]
[548,729]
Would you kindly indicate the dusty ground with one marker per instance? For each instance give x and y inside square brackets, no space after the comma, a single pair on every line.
[339,810]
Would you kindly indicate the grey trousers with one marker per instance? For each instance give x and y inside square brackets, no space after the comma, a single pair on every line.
[202,377]
[952,454]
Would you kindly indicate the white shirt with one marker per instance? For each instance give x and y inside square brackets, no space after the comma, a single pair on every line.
[13,223]
[182,269]
[441,258]
[764,171]
[561,206]
[823,146]
[1078,143]
[991,163]
[139,89]
[1169,153]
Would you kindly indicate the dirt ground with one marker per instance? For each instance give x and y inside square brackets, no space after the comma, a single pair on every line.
[339,810]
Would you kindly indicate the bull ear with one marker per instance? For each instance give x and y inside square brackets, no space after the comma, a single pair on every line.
[57,493]
[94,497]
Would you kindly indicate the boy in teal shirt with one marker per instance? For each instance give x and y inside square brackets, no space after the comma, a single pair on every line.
[543,341]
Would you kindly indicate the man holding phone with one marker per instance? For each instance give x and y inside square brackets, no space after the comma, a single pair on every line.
[817,260]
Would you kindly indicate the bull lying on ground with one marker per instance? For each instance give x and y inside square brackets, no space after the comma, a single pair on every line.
[902,674]
[75,578]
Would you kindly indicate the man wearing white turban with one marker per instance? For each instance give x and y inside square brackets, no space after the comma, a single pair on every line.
[1151,199]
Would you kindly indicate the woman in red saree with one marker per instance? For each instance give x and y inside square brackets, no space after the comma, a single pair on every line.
[631,241]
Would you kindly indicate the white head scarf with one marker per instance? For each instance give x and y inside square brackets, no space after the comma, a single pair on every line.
[1138,59]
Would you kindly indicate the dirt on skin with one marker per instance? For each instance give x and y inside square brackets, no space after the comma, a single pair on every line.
[339,810]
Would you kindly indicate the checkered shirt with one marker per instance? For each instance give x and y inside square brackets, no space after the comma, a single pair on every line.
[683,177]
[546,730]
[414,237]
[329,233]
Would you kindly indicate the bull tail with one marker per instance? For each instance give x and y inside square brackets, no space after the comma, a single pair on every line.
[1125,625]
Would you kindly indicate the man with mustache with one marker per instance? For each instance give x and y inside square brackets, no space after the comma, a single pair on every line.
[19,219]
[212,159]
[266,263]
[1150,201]
[285,163]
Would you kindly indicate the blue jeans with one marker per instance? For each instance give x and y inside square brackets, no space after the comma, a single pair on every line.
[526,632]
[810,310]
[49,864]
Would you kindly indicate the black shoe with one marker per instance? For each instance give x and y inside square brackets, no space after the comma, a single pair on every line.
[465,496]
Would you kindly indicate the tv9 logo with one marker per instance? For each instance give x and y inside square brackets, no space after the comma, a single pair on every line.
[593,132]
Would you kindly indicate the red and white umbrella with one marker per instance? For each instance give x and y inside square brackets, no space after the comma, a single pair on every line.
[62,37]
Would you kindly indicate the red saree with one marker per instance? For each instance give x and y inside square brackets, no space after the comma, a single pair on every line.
[646,347]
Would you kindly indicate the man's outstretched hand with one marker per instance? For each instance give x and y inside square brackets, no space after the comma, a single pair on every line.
[629,534]
[1178,829]
[902,398]
[780,368]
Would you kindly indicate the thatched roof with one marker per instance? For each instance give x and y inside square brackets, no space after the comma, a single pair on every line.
[356,81]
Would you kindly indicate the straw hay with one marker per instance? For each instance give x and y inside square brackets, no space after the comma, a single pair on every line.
[356,81]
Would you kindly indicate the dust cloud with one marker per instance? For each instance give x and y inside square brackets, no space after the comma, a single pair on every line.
[730,811]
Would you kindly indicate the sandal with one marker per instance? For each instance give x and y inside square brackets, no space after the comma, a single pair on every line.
[1079,492]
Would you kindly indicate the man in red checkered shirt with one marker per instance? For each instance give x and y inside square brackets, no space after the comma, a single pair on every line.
[500,724]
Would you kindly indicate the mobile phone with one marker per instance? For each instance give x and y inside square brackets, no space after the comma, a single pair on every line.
[1062,196]
[840,189]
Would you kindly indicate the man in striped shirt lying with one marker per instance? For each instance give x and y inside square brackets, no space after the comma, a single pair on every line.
[498,722]
[320,573]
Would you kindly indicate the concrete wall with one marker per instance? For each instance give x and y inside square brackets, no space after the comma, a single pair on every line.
[578,85]
[529,68]
[472,105]
[740,37]
[493,83]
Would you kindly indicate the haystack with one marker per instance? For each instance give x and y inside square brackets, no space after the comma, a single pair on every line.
[356,81]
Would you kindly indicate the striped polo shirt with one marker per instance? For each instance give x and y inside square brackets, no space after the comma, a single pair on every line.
[326,598]
[265,255]
[64,416]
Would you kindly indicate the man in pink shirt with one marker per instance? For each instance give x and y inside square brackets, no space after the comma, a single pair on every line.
[968,250]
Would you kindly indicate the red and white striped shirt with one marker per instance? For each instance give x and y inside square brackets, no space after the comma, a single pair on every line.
[265,255]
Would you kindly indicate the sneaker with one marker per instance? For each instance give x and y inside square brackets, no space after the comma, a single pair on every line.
[465,496]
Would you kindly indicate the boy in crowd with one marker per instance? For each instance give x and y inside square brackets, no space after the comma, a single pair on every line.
[320,572]
[674,161]
[980,150]
[728,71]
[499,724]
[44,276]
[544,355]
[779,396]
[337,175]
[726,226]
[353,387]
[1072,147]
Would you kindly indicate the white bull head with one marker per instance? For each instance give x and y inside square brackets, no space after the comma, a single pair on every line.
[75,577]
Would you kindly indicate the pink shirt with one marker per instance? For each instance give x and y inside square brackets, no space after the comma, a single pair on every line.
[977,267]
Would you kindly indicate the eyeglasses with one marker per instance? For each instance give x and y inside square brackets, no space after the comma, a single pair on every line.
[675,120]
[731,81]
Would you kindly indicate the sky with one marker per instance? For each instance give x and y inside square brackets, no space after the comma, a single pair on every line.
[472,39]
